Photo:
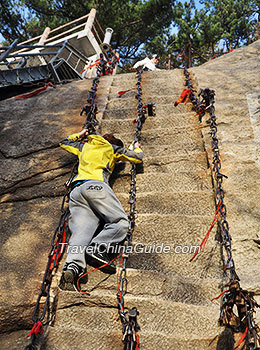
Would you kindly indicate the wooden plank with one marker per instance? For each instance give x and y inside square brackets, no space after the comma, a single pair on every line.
[44,36]
[91,19]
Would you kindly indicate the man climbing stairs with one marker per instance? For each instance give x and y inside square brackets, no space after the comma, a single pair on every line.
[175,207]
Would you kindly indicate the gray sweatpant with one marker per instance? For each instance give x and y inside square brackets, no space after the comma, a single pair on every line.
[90,203]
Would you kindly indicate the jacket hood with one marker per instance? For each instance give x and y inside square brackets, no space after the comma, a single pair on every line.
[97,140]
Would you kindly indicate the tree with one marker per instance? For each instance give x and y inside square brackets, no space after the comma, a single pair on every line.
[143,27]
[11,21]
[135,22]
[235,20]
[188,22]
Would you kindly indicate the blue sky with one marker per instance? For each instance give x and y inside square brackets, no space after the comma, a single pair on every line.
[197,3]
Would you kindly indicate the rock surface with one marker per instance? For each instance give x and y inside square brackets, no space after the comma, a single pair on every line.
[235,79]
[175,206]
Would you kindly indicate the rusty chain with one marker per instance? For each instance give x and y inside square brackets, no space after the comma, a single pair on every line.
[55,255]
[130,325]
[59,237]
[90,109]
[234,296]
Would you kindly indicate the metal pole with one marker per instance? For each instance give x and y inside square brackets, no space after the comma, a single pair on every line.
[105,46]
[6,53]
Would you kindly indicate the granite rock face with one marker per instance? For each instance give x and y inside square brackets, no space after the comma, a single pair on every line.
[175,206]
[236,80]
[33,172]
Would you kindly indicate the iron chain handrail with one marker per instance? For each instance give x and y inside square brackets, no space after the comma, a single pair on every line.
[90,109]
[234,295]
[56,252]
[57,247]
[130,325]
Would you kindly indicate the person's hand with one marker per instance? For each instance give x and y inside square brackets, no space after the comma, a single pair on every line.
[83,133]
[137,145]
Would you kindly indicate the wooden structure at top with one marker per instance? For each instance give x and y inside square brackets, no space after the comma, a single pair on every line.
[58,54]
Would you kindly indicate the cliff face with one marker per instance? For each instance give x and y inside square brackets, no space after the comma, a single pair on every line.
[175,204]
[236,80]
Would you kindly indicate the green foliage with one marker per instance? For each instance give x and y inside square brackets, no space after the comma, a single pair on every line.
[143,27]
[233,19]
[135,22]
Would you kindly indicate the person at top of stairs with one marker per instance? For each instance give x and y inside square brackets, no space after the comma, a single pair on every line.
[93,202]
[147,63]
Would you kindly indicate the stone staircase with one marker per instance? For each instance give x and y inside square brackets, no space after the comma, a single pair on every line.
[175,206]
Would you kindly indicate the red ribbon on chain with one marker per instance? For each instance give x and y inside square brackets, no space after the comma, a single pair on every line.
[184,97]
[37,328]
[137,342]
[120,93]
[227,290]
[34,93]
[87,273]
[204,241]
[60,247]
[241,339]
[91,66]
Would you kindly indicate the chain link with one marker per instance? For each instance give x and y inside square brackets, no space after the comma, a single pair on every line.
[130,325]
[59,237]
[235,295]
[56,252]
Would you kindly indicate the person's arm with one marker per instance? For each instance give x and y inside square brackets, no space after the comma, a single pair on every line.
[140,63]
[73,142]
[133,156]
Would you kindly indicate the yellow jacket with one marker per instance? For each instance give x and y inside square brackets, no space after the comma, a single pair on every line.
[97,157]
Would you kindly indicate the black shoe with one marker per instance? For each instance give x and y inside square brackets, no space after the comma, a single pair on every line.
[71,273]
[96,259]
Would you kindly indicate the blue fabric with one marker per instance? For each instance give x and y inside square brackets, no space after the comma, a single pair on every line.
[78,183]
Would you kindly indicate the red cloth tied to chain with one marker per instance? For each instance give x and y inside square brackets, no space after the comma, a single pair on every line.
[137,342]
[120,93]
[231,50]
[91,66]
[241,339]
[184,97]
[216,298]
[37,328]
[204,241]
[60,247]
[34,93]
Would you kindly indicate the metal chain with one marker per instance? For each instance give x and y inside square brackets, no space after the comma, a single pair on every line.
[90,109]
[59,237]
[55,255]
[130,325]
[235,295]
[197,105]
[229,266]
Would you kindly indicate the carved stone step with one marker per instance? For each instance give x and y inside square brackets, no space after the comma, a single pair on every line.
[131,102]
[84,339]
[126,125]
[161,111]
[182,203]
[147,89]
[77,313]
[187,182]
